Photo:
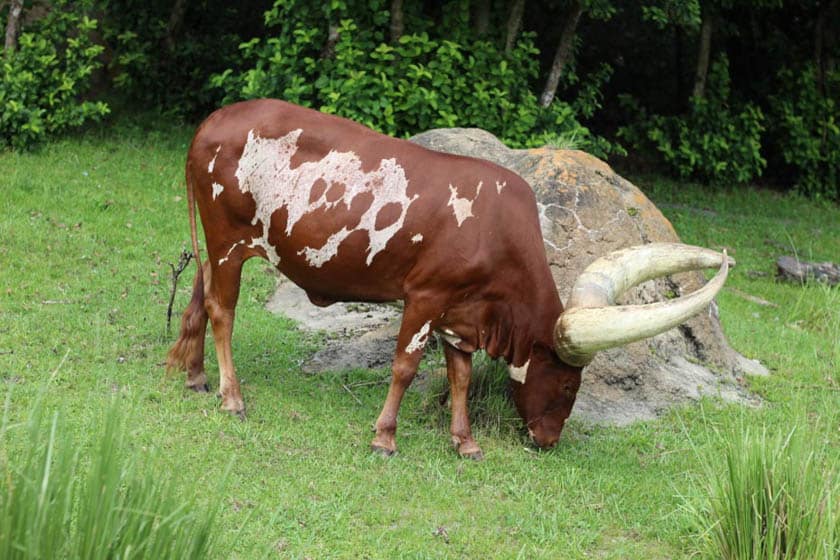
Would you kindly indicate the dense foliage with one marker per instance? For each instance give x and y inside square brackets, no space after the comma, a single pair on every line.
[166,64]
[713,141]
[40,82]
[715,90]
[422,80]
[806,130]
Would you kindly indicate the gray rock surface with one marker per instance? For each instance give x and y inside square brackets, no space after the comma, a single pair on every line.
[793,270]
[364,335]
[586,211]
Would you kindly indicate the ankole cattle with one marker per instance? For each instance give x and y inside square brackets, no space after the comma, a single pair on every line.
[351,215]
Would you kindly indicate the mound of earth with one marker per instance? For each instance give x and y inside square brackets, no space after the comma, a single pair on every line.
[586,211]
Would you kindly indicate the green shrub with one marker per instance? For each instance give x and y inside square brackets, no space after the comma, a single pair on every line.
[171,73]
[773,498]
[419,83]
[805,124]
[56,501]
[713,142]
[42,82]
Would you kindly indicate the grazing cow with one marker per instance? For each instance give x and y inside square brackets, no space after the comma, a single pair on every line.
[351,215]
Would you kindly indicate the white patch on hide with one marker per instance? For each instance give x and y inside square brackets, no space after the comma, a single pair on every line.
[227,256]
[500,186]
[462,207]
[217,190]
[417,238]
[450,337]
[212,164]
[270,250]
[265,171]
[261,242]
[418,341]
[519,373]
[317,257]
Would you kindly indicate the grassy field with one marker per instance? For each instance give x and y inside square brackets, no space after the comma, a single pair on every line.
[89,226]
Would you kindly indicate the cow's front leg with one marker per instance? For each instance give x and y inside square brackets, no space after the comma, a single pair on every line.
[222,295]
[410,343]
[459,370]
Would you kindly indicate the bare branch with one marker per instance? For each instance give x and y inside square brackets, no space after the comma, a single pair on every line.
[183,261]
[397,20]
[517,9]
[563,54]
[703,54]
[13,25]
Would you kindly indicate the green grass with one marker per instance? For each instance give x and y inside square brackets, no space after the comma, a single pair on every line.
[89,226]
[776,499]
[61,499]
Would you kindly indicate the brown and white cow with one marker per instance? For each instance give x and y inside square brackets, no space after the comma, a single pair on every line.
[351,215]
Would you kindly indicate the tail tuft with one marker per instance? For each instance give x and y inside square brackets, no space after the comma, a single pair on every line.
[188,351]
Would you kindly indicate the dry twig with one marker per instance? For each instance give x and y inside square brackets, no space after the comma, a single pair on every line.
[183,261]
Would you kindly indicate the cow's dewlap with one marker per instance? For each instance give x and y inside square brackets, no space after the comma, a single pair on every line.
[519,373]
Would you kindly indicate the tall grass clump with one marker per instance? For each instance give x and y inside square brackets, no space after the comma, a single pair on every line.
[490,406]
[63,499]
[775,497]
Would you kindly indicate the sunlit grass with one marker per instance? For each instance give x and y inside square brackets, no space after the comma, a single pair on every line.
[89,226]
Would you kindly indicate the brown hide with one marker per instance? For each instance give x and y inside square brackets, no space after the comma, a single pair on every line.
[351,215]
[488,277]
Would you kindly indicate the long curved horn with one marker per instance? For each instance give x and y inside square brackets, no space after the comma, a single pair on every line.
[591,322]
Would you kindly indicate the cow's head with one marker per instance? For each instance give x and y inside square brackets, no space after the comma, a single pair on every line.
[545,395]
[547,385]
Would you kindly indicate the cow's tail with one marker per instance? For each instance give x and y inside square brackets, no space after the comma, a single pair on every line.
[193,224]
[188,351]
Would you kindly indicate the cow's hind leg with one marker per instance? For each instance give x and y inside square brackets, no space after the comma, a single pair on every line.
[414,333]
[459,370]
[220,302]
[188,351]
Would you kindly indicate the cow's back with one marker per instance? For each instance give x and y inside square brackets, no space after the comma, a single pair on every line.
[348,213]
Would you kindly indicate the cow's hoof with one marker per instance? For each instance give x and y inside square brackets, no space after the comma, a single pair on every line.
[473,455]
[467,448]
[238,412]
[383,451]
[197,382]
[236,408]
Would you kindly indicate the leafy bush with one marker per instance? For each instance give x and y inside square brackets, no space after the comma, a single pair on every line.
[171,72]
[805,125]
[56,502]
[713,142]
[418,83]
[774,498]
[42,81]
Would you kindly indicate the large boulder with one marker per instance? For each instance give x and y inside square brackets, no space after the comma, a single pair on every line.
[586,211]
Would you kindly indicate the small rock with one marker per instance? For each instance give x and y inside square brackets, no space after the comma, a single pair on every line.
[794,270]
